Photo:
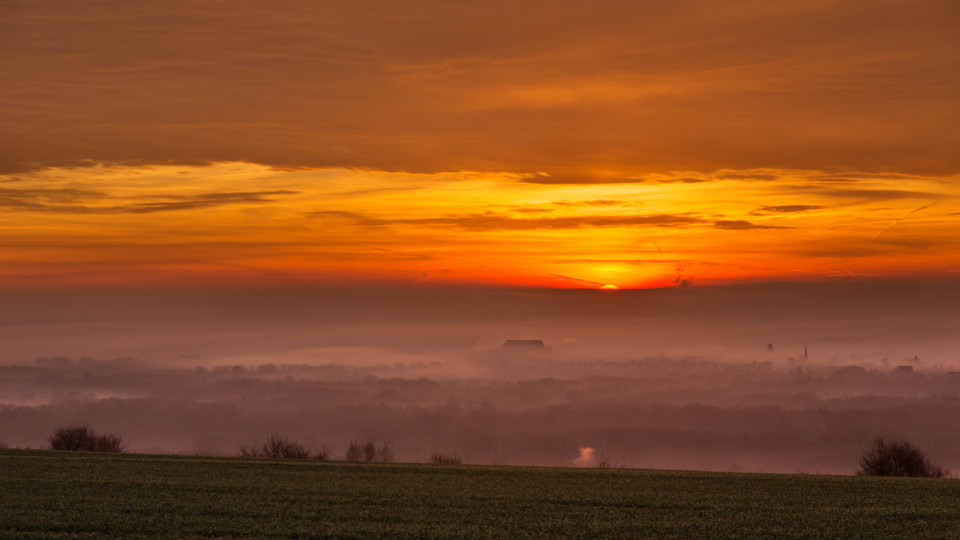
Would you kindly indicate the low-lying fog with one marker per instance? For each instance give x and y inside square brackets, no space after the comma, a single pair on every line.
[679,378]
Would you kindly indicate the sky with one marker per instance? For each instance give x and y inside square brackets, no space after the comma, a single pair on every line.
[729,222]
[498,144]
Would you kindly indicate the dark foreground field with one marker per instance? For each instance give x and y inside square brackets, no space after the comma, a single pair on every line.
[72,495]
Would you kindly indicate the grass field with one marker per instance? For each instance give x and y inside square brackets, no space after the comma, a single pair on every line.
[47,494]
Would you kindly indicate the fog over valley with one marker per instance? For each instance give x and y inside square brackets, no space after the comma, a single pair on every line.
[775,377]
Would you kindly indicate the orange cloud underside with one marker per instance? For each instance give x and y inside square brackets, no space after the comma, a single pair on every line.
[240,223]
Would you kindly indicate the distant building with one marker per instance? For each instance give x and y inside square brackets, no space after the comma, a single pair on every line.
[523,344]
[769,347]
[903,370]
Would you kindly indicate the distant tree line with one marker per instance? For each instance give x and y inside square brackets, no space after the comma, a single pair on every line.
[894,457]
[82,438]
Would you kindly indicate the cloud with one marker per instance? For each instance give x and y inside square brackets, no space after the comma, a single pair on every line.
[748,176]
[877,246]
[836,180]
[638,262]
[864,194]
[575,179]
[593,178]
[845,251]
[597,202]
[45,199]
[530,210]
[408,255]
[740,224]
[494,222]
[685,180]
[628,87]
[207,200]
[78,201]
[786,209]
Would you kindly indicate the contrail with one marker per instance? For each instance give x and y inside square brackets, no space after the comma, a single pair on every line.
[577,279]
[903,217]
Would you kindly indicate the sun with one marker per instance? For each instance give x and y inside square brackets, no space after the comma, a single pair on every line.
[609,287]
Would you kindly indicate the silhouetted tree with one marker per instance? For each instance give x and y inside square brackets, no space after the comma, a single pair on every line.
[897,458]
[80,437]
[445,459]
[384,454]
[354,452]
[277,447]
[369,452]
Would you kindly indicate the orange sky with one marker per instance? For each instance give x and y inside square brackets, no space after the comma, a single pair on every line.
[555,144]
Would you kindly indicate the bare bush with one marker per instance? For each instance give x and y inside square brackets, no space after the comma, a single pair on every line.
[897,458]
[321,453]
[250,451]
[353,452]
[82,438]
[107,442]
[71,438]
[445,459]
[369,451]
[3,445]
[384,454]
[277,447]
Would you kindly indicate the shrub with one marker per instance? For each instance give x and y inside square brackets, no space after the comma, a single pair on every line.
[321,453]
[369,452]
[82,438]
[3,445]
[250,451]
[445,459]
[897,458]
[384,454]
[353,452]
[107,442]
[277,447]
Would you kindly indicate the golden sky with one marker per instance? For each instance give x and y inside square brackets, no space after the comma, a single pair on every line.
[560,144]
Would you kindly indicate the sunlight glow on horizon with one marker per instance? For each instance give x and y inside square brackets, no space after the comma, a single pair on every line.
[241,222]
